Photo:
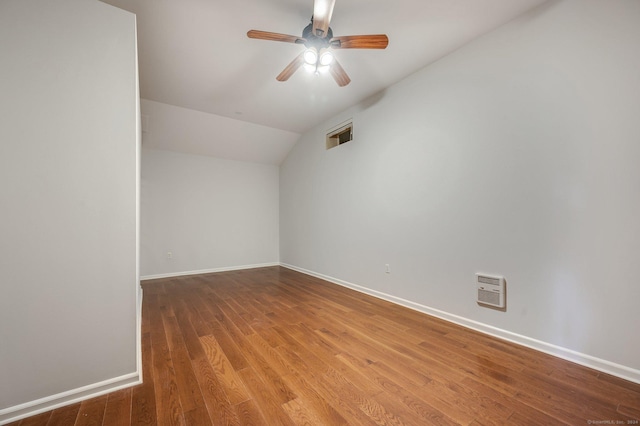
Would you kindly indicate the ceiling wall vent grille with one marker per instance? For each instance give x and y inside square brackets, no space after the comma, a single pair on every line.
[340,134]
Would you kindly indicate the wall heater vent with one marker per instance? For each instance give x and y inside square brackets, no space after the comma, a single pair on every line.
[490,290]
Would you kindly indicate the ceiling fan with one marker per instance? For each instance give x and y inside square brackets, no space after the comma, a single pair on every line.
[318,39]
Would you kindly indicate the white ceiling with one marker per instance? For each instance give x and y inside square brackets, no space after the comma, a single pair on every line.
[195,53]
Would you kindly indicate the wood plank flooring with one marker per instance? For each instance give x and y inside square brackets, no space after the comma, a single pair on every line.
[271,346]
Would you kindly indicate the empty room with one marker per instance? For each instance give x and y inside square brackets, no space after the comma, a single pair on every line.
[319,212]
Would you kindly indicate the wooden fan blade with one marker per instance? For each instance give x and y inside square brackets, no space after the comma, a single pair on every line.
[339,74]
[322,11]
[265,35]
[373,41]
[291,68]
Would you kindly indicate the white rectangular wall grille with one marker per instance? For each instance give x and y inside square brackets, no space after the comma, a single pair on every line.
[340,134]
[490,290]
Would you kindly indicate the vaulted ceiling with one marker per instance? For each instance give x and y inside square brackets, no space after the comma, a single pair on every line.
[195,54]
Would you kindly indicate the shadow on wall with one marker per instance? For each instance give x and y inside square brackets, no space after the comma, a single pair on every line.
[372,100]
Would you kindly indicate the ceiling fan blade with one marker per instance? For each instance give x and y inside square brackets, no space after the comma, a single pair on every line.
[339,74]
[373,41]
[291,68]
[322,11]
[265,35]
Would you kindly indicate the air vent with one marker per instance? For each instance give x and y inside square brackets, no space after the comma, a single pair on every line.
[340,134]
[490,290]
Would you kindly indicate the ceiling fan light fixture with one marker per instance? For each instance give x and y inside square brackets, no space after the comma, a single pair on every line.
[326,58]
[318,39]
[311,56]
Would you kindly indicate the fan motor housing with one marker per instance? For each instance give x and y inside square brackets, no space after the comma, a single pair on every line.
[313,40]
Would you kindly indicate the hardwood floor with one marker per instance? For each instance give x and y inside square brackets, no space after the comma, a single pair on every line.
[271,346]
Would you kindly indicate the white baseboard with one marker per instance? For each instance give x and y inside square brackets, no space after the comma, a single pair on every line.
[52,402]
[28,409]
[140,294]
[605,366]
[207,271]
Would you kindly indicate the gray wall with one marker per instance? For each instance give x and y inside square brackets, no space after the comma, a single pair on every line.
[209,213]
[516,155]
[68,167]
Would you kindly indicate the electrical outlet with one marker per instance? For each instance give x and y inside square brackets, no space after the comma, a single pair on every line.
[387,268]
[169,255]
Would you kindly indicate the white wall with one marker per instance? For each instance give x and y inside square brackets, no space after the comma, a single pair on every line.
[67,202]
[210,213]
[516,155]
[172,128]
